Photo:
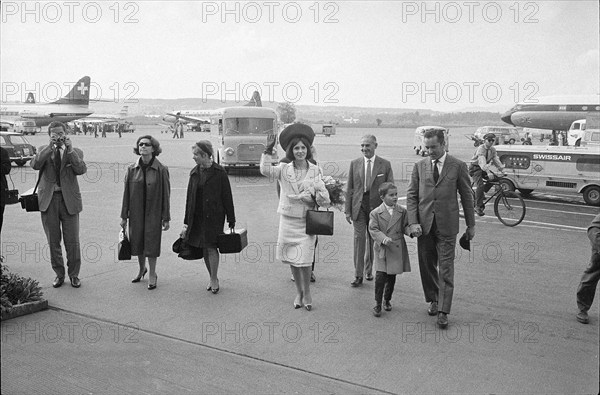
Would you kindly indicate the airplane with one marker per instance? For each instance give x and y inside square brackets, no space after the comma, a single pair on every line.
[203,116]
[107,118]
[552,113]
[73,105]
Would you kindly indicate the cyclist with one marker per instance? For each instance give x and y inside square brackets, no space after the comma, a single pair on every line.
[485,157]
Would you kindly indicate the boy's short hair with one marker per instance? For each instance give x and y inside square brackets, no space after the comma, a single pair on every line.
[385,187]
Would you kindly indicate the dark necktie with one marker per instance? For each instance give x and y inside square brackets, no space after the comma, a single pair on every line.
[436,172]
[368,176]
[57,163]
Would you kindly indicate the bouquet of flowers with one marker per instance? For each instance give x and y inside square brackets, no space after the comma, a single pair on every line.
[335,187]
[326,191]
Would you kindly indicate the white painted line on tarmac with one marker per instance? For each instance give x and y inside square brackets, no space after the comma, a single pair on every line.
[544,225]
[557,211]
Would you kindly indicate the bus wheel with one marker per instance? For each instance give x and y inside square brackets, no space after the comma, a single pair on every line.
[591,195]
[511,141]
[525,192]
[507,184]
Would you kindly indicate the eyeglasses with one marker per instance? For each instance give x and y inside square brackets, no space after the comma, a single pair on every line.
[145,145]
[491,139]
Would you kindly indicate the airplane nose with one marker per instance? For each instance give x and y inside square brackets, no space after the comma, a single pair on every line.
[506,118]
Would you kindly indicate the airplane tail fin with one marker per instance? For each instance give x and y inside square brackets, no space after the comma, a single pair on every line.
[79,94]
[124,111]
[254,101]
[30,98]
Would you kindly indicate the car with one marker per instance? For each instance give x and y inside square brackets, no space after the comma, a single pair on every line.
[19,149]
[504,134]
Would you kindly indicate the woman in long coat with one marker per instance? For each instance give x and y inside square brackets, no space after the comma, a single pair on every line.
[208,201]
[146,206]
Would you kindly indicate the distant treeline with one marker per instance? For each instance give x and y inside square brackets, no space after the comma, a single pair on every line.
[414,119]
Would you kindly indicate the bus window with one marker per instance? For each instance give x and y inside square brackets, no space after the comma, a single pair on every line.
[255,126]
[588,164]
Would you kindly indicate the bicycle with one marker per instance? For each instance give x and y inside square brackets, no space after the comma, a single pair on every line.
[509,206]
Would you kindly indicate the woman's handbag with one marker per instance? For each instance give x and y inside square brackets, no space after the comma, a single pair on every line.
[232,242]
[124,246]
[30,202]
[11,196]
[186,251]
[319,222]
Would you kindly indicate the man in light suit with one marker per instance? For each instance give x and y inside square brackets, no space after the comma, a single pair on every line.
[60,200]
[362,196]
[432,207]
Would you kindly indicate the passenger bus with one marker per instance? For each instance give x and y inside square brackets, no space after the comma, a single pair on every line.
[239,135]
[552,169]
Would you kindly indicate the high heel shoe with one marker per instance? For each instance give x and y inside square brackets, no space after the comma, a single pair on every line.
[208,287]
[138,278]
[215,290]
[297,304]
[308,307]
[153,285]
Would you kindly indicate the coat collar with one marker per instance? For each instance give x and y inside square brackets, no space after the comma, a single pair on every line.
[290,174]
[154,164]
[383,213]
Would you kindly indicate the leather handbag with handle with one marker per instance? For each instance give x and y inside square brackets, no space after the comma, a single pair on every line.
[319,222]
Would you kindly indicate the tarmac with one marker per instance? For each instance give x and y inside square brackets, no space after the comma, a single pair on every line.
[512,328]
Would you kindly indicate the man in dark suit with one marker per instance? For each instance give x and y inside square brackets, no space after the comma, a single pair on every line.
[60,200]
[432,207]
[362,196]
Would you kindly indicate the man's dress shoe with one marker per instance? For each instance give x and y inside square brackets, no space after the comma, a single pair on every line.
[387,306]
[357,282]
[442,320]
[377,311]
[58,281]
[75,283]
[369,277]
[433,309]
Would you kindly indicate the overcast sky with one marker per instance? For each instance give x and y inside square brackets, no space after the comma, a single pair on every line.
[439,55]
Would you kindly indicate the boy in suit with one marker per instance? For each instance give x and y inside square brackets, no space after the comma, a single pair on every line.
[387,225]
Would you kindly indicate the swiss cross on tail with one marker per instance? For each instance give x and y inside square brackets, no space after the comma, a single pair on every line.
[30,98]
[79,94]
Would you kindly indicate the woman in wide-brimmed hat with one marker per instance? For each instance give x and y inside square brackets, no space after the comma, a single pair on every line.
[301,185]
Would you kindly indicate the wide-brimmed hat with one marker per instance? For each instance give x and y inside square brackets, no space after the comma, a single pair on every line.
[464,242]
[296,130]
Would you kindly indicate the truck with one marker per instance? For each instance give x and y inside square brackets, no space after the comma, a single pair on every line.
[552,169]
